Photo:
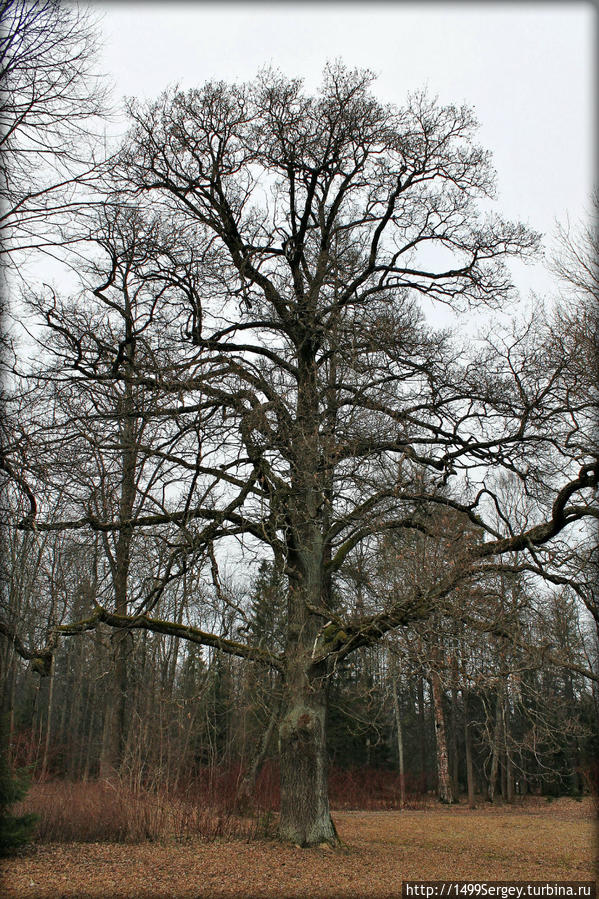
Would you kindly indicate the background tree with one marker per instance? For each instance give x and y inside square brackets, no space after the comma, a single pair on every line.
[52,98]
[15,831]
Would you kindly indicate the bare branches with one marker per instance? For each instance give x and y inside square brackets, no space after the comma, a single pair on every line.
[186,632]
[42,658]
[51,97]
[29,520]
[540,534]
[247,357]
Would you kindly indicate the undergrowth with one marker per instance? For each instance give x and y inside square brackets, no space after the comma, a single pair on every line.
[204,808]
[106,812]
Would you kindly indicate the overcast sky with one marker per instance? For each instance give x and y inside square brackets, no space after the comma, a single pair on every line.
[528,69]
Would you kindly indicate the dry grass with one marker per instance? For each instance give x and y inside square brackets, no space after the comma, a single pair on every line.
[534,841]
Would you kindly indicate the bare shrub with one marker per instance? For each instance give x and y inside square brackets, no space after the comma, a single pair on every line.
[100,811]
[204,808]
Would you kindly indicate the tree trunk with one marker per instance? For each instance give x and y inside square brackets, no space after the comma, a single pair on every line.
[115,721]
[49,710]
[423,736]
[495,749]
[8,674]
[509,778]
[444,788]
[468,747]
[454,756]
[455,748]
[248,782]
[402,773]
[119,556]
[508,792]
[305,814]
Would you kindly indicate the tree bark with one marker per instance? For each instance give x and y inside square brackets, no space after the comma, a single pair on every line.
[508,793]
[495,749]
[115,729]
[9,679]
[248,782]
[468,748]
[115,721]
[455,747]
[422,734]
[454,756]
[305,814]
[402,774]
[444,788]
[49,710]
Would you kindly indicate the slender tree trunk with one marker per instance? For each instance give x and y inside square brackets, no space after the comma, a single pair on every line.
[509,778]
[468,748]
[444,788]
[248,782]
[108,752]
[423,739]
[509,767]
[119,555]
[495,749]
[572,748]
[503,775]
[49,710]
[402,774]
[454,755]
[455,743]
[82,727]
[86,760]
[11,708]
[72,722]
[36,725]
[8,675]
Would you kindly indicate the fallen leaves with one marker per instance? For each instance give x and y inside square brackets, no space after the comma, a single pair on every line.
[536,841]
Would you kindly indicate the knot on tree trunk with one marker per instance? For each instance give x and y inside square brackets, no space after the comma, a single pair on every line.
[301,726]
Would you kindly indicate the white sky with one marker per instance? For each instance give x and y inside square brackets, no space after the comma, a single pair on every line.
[528,69]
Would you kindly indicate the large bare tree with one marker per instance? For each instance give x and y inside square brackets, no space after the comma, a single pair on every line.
[332,412]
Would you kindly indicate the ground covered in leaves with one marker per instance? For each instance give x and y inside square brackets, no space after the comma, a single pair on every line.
[536,841]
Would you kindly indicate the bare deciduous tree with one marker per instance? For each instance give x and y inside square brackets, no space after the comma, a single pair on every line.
[51,96]
[333,413]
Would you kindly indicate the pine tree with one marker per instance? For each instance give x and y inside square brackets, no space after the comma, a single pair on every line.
[14,831]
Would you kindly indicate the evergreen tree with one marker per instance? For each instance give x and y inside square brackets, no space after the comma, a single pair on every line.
[15,831]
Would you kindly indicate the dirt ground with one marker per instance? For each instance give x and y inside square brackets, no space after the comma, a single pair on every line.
[538,841]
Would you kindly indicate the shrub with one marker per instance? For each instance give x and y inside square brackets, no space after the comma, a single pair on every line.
[97,811]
